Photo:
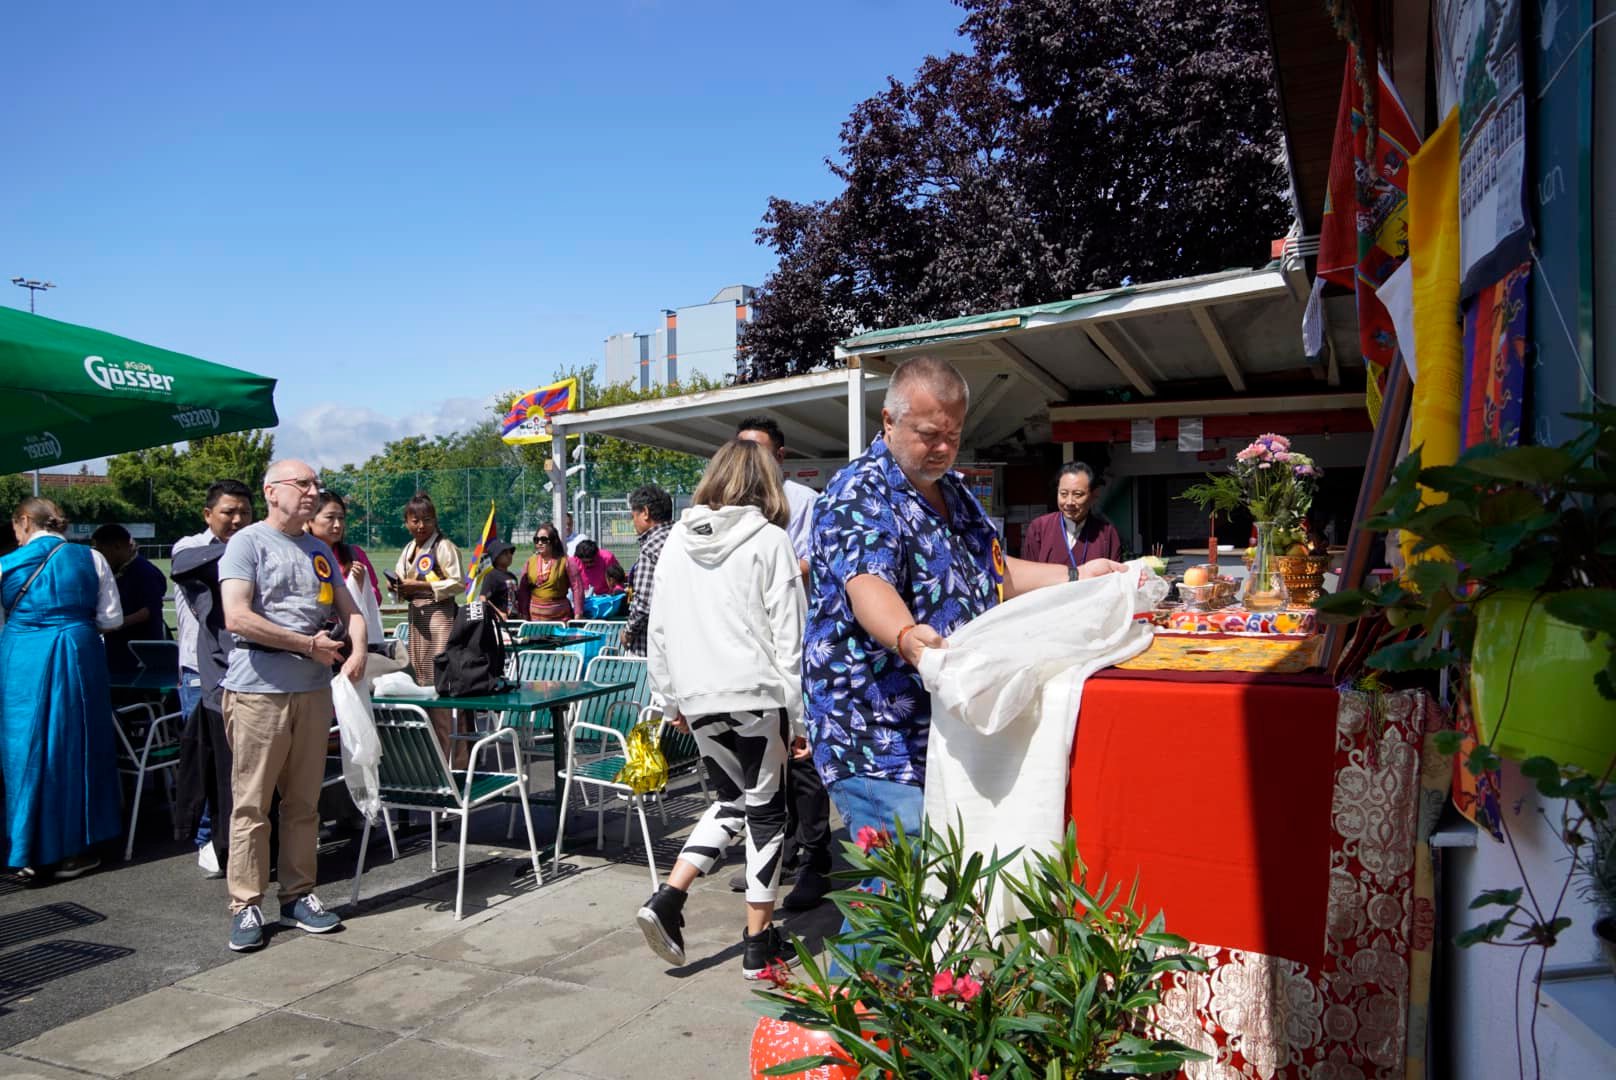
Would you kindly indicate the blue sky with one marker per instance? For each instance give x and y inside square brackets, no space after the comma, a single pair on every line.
[398,209]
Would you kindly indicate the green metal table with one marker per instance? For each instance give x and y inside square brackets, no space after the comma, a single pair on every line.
[156,682]
[527,700]
[553,641]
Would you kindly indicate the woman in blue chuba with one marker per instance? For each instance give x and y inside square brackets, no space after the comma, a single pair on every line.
[56,737]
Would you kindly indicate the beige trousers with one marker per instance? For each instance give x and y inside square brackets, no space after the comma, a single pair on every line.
[277,742]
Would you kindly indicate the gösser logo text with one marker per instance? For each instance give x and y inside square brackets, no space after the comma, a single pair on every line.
[43,446]
[133,374]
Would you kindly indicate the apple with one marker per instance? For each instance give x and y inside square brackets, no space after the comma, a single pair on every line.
[1196,575]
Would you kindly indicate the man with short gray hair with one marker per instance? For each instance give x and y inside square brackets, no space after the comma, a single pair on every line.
[279,587]
[903,556]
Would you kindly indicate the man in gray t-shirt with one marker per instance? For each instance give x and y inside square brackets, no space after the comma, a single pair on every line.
[279,587]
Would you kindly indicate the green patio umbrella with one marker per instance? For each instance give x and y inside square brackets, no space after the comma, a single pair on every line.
[69,393]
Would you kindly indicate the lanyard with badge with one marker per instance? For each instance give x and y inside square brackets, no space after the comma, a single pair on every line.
[1070,558]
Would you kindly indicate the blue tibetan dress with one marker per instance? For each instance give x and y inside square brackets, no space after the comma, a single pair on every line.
[56,737]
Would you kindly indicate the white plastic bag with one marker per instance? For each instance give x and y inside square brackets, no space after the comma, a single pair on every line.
[400,684]
[361,746]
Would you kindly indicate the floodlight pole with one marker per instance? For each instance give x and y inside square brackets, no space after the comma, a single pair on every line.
[32,287]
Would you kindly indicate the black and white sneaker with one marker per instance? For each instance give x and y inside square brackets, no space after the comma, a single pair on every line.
[661,922]
[760,950]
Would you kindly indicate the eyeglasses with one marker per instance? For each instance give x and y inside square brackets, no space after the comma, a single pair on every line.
[309,484]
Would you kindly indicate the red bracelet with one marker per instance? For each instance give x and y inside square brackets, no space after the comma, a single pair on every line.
[897,646]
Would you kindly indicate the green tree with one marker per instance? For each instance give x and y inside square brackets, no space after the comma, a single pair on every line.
[1075,145]
[167,485]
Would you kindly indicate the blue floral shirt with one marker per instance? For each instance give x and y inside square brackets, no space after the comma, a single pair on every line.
[867,712]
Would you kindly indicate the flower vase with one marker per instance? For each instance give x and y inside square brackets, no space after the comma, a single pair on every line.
[1265,585]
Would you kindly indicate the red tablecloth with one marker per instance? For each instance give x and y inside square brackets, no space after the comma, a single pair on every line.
[1278,824]
[1217,794]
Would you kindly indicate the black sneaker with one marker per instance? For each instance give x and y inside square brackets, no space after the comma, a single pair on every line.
[809,892]
[759,950]
[661,922]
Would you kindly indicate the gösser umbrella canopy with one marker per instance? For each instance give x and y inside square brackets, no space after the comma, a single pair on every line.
[69,393]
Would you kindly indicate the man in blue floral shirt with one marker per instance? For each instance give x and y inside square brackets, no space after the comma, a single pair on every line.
[903,556]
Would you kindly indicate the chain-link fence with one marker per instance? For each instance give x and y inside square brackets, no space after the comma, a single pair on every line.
[522,497]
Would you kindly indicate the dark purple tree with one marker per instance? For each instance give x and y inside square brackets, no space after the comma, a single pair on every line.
[1079,145]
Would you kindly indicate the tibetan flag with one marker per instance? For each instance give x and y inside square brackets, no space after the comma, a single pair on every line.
[479,563]
[525,422]
[1364,235]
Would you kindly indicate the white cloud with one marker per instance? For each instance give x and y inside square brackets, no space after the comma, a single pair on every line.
[331,435]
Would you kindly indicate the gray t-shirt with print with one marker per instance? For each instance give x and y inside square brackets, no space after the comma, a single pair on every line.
[288,590]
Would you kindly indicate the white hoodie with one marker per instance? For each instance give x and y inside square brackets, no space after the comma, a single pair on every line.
[727,613]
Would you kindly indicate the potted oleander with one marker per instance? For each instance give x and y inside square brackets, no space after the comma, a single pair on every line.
[936,988]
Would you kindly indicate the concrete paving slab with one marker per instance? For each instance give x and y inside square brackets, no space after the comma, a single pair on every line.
[285,972]
[488,885]
[15,1068]
[132,1035]
[275,1045]
[618,961]
[418,1058]
[514,944]
[407,924]
[538,1020]
[704,1043]
[406,994]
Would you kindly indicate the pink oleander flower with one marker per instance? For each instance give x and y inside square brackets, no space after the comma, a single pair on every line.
[778,973]
[967,988]
[978,1074]
[869,838]
[942,984]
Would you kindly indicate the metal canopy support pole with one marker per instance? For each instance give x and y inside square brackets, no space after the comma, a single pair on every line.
[558,460]
[856,440]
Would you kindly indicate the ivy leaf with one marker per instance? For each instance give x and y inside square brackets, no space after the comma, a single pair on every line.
[1417,655]
[1500,897]
[1592,609]
[1448,742]
[1539,465]
[1529,572]
[1487,931]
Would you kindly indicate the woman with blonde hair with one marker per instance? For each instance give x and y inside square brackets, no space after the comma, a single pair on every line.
[56,738]
[724,653]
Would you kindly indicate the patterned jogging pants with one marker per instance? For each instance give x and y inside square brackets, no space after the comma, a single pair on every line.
[746,755]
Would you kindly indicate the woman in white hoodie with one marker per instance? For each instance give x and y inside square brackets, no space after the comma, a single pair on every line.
[725,652]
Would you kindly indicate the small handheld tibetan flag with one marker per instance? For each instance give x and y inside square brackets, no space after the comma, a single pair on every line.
[525,422]
[479,564]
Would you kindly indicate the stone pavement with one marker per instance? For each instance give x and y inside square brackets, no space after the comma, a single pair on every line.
[550,981]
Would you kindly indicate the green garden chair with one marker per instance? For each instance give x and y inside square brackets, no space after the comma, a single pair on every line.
[414,775]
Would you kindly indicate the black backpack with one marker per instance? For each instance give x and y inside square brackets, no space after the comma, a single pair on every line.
[472,663]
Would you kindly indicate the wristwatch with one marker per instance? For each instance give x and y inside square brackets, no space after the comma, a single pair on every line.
[1071,573]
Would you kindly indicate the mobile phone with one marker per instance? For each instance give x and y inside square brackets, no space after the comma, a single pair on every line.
[392,580]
